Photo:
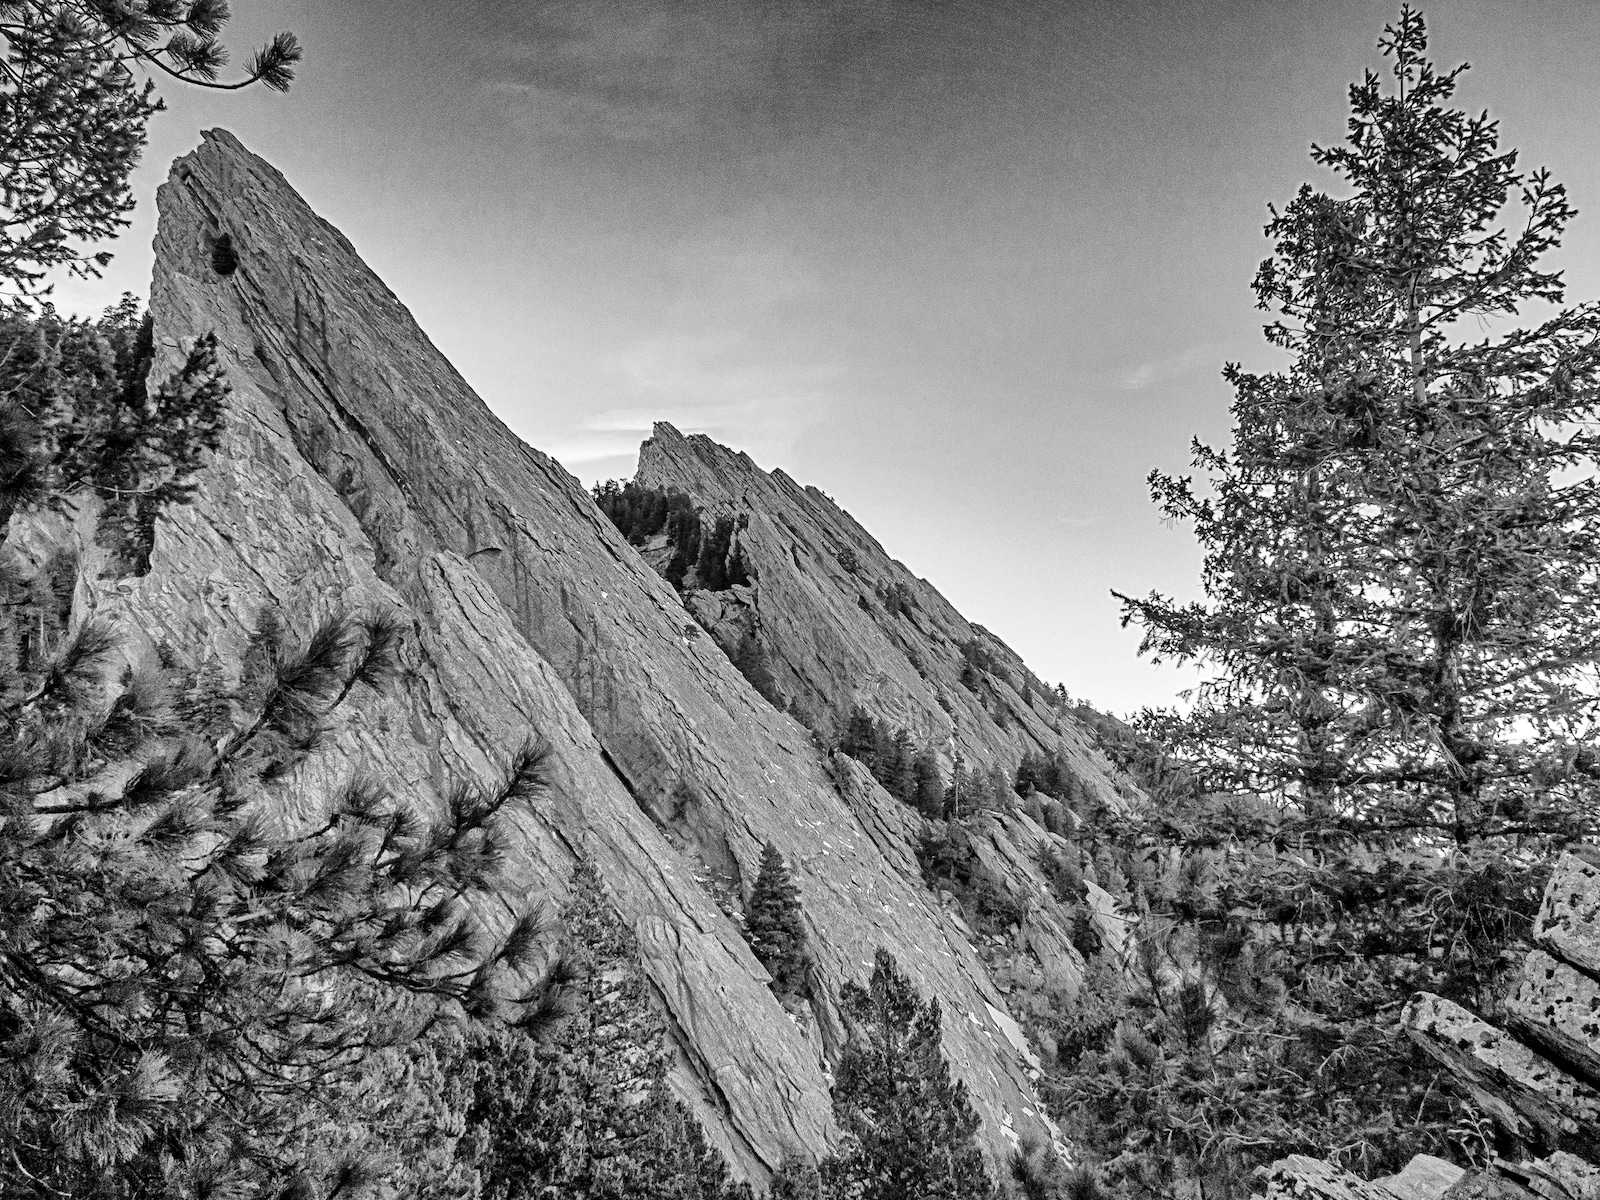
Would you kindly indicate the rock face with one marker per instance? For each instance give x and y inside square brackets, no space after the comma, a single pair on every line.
[842,624]
[845,624]
[1540,1084]
[1424,1178]
[1557,1008]
[1527,1094]
[360,470]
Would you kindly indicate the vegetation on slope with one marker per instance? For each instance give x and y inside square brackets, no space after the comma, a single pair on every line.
[705,553]
[1401,580]
[199,998]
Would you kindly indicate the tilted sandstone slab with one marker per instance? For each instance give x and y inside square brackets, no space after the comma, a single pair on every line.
[1561,1176]
[1491,1185]
[360,469]
[1558,1009]
[1531,1097]
[845,623]
[1304,1178]
[1568,925]
[1524,1091]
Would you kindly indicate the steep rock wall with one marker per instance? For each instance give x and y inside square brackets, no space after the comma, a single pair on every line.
[359,469]
[818,601]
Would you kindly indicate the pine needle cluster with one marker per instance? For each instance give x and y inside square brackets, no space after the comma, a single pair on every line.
[181,972]
[74,114]
[582,1109]
[79,424]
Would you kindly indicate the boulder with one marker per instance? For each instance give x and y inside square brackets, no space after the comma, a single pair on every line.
[1301,1177]
[1568,925]
[1423,1178]
[1525,1092]
[1557,1008]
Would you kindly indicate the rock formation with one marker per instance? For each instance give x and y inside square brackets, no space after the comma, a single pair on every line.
[1541,1085]
[844,623]
[841,624]
[359,470]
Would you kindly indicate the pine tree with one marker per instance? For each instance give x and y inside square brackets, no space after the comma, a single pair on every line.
[73,116]
[899,777]
[79,421]
[178,978]
[796,1180]
[1403,602]
[684,534]
[584,1111]
[912,1131]
[958,797]
[1032,773]
[775,929]
[753,663]
[928,786]
[1402,557]
[859,738]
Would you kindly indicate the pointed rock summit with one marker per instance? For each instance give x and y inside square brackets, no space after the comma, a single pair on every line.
[359,470]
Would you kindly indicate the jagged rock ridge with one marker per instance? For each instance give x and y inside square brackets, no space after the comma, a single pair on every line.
[817,603]
[844,624]
[359,470]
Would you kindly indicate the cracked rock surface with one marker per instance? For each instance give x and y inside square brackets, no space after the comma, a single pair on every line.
[847,624]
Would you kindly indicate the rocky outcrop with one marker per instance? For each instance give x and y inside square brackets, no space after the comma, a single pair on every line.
[1539,1083]
[843,623]
[1424,1178]
[1529,1096]
[359,470]
[1556,1008]
[1568,925]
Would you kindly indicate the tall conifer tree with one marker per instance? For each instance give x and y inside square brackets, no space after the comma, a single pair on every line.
[1402,614]
[585,1112]
[911,1128]
[775,928]
[1403,548]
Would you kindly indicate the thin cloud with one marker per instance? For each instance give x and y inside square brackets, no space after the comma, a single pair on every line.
[1176,366]
[637,71]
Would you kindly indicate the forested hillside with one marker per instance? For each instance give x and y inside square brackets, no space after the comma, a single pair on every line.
[382,813]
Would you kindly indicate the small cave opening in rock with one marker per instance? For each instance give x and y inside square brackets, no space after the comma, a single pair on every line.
[224,258]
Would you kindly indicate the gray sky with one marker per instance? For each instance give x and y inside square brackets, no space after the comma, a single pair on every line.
[970,266]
